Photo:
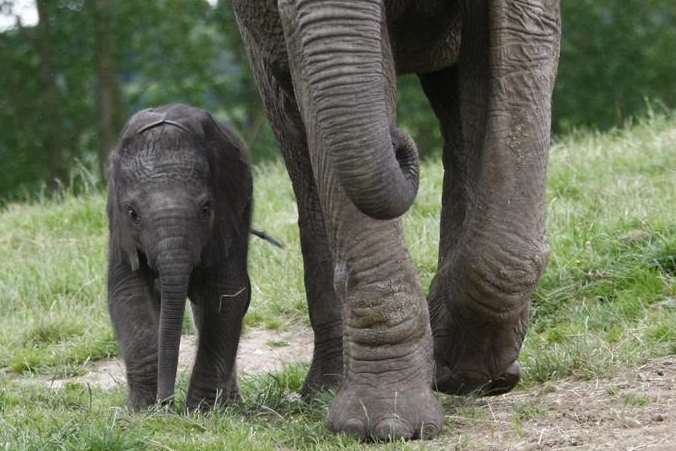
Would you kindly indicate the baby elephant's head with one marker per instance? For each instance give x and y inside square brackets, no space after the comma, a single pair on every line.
[179,186]
[164,201]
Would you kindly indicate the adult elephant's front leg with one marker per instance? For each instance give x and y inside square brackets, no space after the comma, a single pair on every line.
[387,346]
[337,57]
[494,109]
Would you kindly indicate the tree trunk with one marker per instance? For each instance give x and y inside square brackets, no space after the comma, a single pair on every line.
[110,102]
[53,139]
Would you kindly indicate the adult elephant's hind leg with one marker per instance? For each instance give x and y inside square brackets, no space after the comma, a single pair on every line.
[494,111]
[324,308]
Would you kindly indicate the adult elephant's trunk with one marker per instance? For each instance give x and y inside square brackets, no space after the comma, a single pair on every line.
[337,52]
[174,268]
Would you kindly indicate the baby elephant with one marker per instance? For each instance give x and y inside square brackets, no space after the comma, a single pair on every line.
[179,210]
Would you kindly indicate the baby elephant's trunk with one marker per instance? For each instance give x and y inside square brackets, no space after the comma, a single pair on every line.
[174,268]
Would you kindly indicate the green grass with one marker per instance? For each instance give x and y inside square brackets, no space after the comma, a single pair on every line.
[606,301]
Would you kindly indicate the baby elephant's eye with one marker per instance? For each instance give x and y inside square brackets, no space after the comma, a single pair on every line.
[132,214]
[205,209]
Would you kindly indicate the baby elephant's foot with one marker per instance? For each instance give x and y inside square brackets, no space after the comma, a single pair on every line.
[140,400]
[384,413]
[204,400]
[142,386]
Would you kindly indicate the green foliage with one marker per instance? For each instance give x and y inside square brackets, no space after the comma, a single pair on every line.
[601,302]
[615,57]
[192,55]
[415,115]
[26,124]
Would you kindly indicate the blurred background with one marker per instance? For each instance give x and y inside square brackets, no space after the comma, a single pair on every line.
[72,71]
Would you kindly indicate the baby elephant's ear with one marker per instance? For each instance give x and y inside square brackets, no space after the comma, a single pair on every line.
[120,245]
[231,174]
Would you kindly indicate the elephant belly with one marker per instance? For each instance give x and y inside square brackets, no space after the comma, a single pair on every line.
[425,36]
[263,25]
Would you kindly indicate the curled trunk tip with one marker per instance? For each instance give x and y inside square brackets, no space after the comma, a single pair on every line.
[340,57]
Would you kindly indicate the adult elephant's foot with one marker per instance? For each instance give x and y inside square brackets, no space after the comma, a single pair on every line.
[213,400]
[479,311]
[142,383]
[387,390]
[459,381]
[326,370]
[384,412]
[476,352]
[462,369]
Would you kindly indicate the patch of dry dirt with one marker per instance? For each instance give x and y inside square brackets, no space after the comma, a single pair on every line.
[259,351]
[635,410]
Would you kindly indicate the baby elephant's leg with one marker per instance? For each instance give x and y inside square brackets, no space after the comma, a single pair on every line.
[134,312]
[219,305]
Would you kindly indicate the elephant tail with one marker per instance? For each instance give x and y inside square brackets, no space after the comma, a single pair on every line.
[264,236]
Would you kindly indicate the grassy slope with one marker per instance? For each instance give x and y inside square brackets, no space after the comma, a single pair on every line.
[607,300]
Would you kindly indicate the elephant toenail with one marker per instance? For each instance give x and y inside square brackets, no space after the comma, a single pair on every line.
[392,429]
[429,431]
[505,382]
[353,427]
[514,371]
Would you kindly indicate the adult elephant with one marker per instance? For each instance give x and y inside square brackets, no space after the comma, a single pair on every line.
[327,74]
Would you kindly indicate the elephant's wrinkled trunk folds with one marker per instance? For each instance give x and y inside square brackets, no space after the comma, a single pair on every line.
[342,59]
[174,267]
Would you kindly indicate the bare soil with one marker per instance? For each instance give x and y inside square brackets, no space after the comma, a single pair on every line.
[632,410]
[259,351]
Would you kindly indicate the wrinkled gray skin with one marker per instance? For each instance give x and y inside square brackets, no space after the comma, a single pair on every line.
[327,74]
[179,208]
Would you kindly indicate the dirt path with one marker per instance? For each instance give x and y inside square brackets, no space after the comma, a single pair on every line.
[632,411]
[259,351]
[635,410]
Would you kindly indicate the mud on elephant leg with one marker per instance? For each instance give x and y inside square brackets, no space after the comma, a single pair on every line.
[324,307]
[494,111]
